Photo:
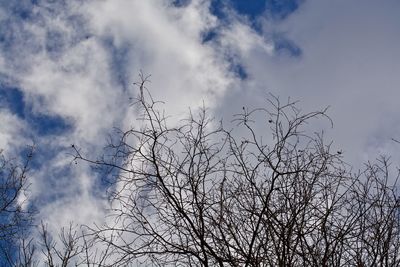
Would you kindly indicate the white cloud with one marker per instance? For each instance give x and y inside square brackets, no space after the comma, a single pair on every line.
[11,133]
[77,81]
[166,42]
[76,86]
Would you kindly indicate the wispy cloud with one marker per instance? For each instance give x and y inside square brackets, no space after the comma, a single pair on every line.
[74,64]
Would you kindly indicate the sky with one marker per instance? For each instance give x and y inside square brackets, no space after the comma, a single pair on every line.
[67,70]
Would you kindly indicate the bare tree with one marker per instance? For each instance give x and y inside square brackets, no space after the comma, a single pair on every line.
[15,219]
[197,194]
[376,237]
[192,193]
[73,248]
[66,252]
[24,244]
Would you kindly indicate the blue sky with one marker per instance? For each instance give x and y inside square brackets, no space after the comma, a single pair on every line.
[67,69]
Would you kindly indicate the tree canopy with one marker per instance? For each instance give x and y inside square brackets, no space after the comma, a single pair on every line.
[196,193]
